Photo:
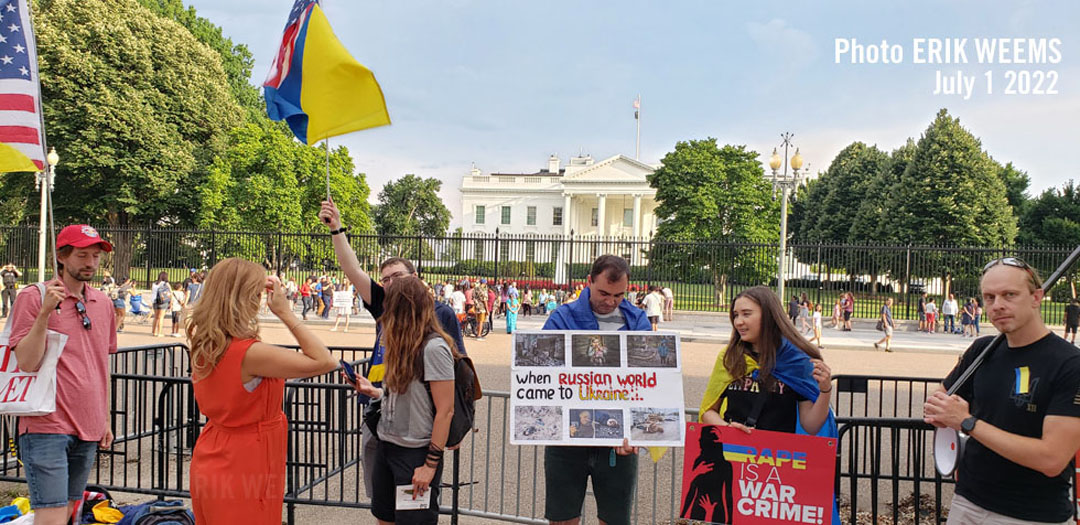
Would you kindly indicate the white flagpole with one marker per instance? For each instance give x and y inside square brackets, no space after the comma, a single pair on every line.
[637,117]
[48,174]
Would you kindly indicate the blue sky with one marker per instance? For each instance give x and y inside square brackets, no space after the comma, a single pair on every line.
[505,83]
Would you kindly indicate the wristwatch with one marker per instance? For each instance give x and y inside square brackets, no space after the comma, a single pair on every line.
[967,425]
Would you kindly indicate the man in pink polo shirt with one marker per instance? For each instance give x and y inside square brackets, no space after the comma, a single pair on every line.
[58,449]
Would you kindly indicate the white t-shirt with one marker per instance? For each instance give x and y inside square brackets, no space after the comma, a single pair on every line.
[457,301]
[177,298]
[930,308]
[817,319]
[654,305]
[948,307]
[448,291]
[667,293]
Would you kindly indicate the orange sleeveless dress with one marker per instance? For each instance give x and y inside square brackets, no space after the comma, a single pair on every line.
[238,466]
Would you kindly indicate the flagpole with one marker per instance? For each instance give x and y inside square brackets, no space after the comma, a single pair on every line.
[326,144]
[47,179]
[637,117]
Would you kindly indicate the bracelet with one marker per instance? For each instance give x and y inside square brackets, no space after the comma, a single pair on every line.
[826,391]
[343,229]
[293,326]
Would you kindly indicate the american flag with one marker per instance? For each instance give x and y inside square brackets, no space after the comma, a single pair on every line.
[280,68]
[20,123]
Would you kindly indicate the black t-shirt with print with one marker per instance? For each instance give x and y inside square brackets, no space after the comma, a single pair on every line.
[1014,390]
[779,413]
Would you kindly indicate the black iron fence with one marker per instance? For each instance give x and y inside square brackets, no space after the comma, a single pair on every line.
[702,275]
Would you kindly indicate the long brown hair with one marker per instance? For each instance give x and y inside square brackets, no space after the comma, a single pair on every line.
[408,319]
[228,307]
[775,326]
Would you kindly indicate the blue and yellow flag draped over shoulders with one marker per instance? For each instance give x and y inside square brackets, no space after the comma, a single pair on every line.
[794,369]
[315,85]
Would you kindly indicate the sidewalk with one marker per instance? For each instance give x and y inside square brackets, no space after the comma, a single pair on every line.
[716,328]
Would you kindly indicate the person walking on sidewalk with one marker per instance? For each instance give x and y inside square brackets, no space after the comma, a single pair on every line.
[887,325]
[849,310]
[817,326]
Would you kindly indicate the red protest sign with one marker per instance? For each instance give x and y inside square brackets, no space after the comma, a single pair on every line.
[758,478]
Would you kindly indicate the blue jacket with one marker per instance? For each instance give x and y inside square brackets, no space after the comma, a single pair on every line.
[578,315]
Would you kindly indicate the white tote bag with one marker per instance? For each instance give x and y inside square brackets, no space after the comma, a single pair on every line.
[29,393]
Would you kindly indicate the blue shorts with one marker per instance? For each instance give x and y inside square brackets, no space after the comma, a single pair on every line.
[118,303]
[57,466]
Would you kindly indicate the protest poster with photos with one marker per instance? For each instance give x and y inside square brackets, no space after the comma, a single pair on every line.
[591,388]
[763,477]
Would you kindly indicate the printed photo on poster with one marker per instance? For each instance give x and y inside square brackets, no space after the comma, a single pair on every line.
[609,423]
[538,423]
[595,350]
[651,351]
[576,388]
[540,350]
[655,424]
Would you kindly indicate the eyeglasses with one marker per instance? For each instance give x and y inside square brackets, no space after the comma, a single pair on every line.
[81,309]
[1008,261]
[386,280]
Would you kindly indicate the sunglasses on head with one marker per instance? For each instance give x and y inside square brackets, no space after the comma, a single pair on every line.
[1008,261]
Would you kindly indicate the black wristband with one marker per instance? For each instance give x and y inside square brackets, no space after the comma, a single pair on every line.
[343,229]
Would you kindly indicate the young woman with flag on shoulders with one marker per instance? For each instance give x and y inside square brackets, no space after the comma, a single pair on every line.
[767,356]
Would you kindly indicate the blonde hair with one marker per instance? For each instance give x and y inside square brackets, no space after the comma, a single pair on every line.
[228,307]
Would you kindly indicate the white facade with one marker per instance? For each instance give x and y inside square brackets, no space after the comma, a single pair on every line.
[611,198]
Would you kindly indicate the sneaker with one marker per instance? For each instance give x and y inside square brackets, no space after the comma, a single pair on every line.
[877,346]
[480,339]
[334,329]
[888,349]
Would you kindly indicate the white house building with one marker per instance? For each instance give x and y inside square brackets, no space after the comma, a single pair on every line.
[610,199]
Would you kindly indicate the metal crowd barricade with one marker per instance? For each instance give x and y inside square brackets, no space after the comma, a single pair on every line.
[884,450]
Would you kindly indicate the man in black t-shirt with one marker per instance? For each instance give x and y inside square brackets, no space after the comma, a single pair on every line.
[1021,410]
[373,295]
[1072,319]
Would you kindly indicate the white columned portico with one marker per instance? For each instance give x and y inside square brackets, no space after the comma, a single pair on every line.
[601,209]
[566,215]
[637,215]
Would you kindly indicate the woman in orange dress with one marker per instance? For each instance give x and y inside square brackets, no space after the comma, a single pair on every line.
[238,466]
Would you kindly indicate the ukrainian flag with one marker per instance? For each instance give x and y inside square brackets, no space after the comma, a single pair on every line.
[1022,380]
[739,453]
[316,86]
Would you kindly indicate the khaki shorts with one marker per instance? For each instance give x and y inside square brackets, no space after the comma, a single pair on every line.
[964,512]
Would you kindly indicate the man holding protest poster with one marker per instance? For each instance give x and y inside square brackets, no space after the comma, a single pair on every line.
[1021,410]
[602,306]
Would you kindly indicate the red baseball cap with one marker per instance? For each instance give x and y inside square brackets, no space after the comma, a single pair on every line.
[81,236]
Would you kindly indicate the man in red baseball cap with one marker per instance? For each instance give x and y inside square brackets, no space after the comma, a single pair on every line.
[58,449]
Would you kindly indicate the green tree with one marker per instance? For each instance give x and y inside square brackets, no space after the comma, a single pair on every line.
[236,59]
[1053,218]
[136,107]
[268,182]
[720,194]
[1016,186]
[411,206]
[952,193]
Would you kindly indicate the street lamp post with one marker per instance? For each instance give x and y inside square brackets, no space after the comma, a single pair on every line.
[44,182]
[786,183]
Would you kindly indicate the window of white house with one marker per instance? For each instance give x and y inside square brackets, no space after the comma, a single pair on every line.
[556,217]
[505,215]
[479,214]
[530,216]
